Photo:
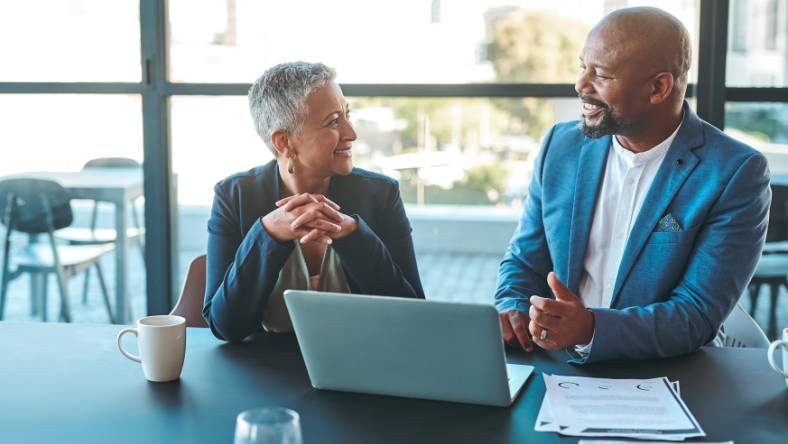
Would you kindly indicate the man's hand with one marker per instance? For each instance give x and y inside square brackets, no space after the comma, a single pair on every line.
[514,325]
[567,321]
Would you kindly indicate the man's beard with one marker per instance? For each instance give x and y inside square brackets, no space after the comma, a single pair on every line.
[607,126]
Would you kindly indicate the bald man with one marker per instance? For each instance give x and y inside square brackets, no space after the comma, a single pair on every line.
[643,224]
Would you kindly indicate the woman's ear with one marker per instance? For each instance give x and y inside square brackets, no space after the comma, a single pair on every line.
[281,141]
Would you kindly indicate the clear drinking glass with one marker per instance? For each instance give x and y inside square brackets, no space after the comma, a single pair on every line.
[268,425]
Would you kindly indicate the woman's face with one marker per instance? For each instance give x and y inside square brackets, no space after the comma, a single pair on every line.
[323,147]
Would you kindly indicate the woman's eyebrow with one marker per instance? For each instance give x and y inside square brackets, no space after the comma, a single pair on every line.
[331,114]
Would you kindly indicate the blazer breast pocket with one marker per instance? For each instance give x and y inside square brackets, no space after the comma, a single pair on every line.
[672,237]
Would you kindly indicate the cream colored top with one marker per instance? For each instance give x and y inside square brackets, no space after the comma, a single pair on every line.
[295,276]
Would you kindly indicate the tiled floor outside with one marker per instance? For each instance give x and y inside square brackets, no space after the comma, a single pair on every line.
[445,277]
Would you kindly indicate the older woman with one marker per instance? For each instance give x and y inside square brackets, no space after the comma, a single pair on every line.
[307,220]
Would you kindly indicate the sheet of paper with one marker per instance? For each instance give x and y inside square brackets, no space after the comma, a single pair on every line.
[632,408]
[545,423]
[608,441]
[544,420]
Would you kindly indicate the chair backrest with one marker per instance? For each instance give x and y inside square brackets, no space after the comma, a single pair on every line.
[112,162]
[27,205]
[190,303]
[742,331]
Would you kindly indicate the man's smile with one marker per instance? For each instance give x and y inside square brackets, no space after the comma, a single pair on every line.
[591,110]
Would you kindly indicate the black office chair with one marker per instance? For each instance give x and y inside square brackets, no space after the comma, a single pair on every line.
[100,236]
[35,206]
[772,267]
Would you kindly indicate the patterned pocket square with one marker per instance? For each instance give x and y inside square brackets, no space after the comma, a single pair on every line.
[668,224]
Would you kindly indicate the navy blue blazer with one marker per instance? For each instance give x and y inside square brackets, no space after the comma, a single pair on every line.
[244,261]
[674,289]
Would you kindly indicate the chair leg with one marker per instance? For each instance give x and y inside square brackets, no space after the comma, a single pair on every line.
[60,270]
[37,285]
[65,309]
[104,291]
[42,300]
[5,277]
[754,290]
[3,290]
[87,284]
[775,287]
[44,297]
[140,238]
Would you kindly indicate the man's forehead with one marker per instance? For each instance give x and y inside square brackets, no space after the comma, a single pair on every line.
[608,47]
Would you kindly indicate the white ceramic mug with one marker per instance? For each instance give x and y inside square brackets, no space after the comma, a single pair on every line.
[162,345]
[773,347]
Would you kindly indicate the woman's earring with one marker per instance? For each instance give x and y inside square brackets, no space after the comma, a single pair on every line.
[290,166]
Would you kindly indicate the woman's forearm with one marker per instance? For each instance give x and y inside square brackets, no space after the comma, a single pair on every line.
[240,277]
[383,269]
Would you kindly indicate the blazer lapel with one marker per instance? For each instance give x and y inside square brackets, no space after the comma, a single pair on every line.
[590,172]
[678,164]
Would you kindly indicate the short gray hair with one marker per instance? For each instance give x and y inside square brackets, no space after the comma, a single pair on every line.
[277,100]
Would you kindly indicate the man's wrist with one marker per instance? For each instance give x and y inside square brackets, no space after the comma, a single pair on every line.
[588,335]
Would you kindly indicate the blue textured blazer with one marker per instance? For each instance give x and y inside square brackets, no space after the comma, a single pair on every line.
[244,261]
[673,289]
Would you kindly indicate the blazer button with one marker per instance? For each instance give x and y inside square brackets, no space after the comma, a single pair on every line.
[679,162]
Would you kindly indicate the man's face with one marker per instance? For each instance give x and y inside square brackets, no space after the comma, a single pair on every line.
[610,86]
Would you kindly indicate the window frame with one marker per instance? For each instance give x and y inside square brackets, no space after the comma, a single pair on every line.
[161,205]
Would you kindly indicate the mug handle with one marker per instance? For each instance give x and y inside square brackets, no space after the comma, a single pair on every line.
[772,348]
[137,358]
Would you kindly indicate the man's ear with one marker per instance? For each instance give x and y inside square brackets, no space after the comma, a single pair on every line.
[282,142]
[661,86]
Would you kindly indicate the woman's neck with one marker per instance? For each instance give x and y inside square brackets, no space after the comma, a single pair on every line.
[293,184]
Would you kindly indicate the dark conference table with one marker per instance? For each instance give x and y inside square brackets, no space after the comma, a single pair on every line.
[68,383]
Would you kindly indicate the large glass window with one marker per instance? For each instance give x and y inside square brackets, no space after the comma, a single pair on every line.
[764,126]
[757,51]
[410,41]
[476,151]
[458,161]
[54,137]
[70,41]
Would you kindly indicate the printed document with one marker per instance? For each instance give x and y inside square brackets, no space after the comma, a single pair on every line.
[545,422]
[606,441]
[632,408]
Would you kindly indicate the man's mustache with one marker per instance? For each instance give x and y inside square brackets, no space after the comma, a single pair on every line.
[585,98]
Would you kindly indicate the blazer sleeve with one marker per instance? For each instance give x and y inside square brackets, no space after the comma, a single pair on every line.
[382,263]
[524,269]
[720,267]
[241,271]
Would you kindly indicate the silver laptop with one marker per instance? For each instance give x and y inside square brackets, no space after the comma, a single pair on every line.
[404,347]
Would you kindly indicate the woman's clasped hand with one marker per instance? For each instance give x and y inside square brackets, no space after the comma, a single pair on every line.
[308,217]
